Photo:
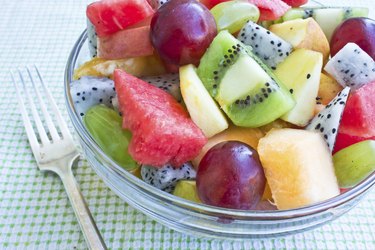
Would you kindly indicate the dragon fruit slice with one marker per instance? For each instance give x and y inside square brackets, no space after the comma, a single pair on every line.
[115,104]
[351,67]
[160,3]
[156,4]
[89,91]
[328,120]
[166,177]
[167,82]
[270,48]
[92,39]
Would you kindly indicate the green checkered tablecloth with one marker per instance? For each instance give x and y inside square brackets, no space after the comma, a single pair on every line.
[34,210]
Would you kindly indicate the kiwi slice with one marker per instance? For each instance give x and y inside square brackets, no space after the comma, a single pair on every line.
[222,53]
[354,163]
[245,88]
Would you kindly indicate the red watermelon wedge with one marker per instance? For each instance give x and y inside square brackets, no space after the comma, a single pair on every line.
[132,42]
[110,16]
[358,120]
[344,140]
[162,130]
[270,9]
[295,3]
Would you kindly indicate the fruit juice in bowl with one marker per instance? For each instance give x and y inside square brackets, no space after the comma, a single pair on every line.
[243,120]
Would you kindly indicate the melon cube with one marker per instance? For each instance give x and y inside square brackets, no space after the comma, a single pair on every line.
[298,167]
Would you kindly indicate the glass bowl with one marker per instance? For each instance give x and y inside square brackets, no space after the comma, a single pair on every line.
[198,219]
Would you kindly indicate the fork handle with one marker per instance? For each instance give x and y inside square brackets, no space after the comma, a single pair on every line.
[85,219]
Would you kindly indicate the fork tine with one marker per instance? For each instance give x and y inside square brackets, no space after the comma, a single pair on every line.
[26,120]
[42,133]
[51,127]
[63,127]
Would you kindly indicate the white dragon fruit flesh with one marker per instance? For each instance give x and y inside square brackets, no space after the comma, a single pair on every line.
[168,82]
[351,67]
[89,91]
[92,39]
[156,4]
[115,104]
[270,48]
[166,177]
[328,120]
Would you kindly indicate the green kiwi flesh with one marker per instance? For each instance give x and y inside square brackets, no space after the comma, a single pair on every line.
[245,88]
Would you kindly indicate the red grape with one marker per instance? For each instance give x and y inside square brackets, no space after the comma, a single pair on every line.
[181,31]
[360,31]
[230,175]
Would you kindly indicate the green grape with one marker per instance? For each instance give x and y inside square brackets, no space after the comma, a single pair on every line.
[104,124]
[354,163]
[187,189]
[233,15]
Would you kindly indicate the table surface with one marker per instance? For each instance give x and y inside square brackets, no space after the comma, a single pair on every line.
[34,210]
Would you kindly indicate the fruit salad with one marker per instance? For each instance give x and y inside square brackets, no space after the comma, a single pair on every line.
[241,104]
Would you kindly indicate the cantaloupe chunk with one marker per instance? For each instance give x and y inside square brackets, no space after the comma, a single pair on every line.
[298,167]
[250,136]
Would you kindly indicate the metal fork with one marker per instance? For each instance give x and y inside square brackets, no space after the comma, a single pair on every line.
[55,151]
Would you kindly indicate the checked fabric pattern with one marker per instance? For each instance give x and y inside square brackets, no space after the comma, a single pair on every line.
[34,210]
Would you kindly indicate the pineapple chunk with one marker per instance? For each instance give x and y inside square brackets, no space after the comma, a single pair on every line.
[328,89]
[300,72]
[276,124]
[298,167]
[303,33]
[137,66]
[318,108]
[267,194]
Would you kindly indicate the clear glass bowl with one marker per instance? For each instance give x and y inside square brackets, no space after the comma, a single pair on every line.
[198,219]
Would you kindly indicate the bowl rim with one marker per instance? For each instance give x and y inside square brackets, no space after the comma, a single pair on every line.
[181,203]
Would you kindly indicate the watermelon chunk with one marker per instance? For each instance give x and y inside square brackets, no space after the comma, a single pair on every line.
[344,140]
[110,16]
[134,42]
[359,114]
[295,3]
[358,120]
[270,9]
[162,129]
